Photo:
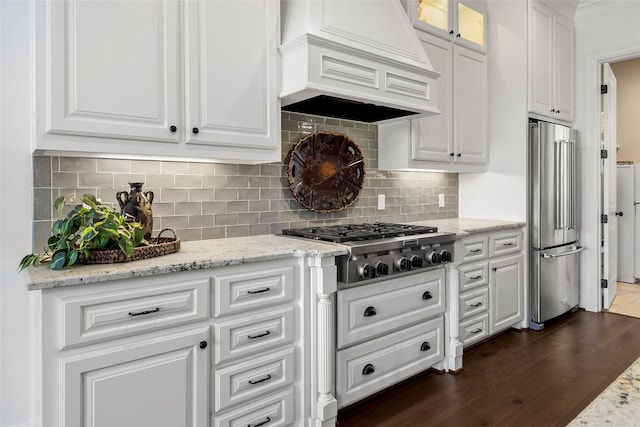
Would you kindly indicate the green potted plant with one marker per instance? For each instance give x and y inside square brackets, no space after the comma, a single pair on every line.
[89,226]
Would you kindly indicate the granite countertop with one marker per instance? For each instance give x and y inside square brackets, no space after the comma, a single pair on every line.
[617,405]
[194,255]
[464,227]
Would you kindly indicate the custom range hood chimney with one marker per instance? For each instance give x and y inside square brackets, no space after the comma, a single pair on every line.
[357,60]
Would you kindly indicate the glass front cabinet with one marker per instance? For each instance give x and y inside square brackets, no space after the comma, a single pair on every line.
[463,21]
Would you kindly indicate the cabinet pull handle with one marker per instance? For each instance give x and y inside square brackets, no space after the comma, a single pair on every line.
[475,251]
[195,131]
[370,311]
[476,304]
[173,129]
[142,313]
[475,277]
[267,378]
[427,295]
[203,345]
[253,337]
[259,291]
[368,369]
[475,331]
[508,244]
[425,346]
[268,420]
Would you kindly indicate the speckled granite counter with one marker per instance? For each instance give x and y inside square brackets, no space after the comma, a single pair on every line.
[617,405]
[465,226]
[196,255]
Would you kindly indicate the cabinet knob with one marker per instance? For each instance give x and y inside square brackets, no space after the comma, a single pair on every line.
[203,344]
[195,131]
[557,111]
[173,129]
[495,268]
[452,154]
[553,110]
[458,35]
[451,32]
[459,154]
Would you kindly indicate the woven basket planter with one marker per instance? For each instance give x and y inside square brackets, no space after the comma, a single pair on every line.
[158,246]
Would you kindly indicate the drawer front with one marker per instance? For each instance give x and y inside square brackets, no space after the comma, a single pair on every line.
[124,312]
[474,302]
[474,329]
[254,287]
[242,382]
[367,368]
[473,275]
[505,243]
[373,310]
[250,335]
[473,248]
[275,411]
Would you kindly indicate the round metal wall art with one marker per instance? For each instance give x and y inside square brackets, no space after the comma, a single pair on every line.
[326,172]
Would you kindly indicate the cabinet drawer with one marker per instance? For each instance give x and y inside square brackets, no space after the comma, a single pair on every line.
[253,334]
[473,275]
[474,302]
[367,368]
[248,380]
[262,286]
[505,243]
[474,248]
[276,410]
[373,310]
[474,329]
[122,312]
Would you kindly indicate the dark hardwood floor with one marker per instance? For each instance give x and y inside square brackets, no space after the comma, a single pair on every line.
[520,378]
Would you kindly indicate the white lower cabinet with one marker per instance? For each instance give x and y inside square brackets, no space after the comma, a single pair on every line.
[223,347]
[387,332]
[488,285]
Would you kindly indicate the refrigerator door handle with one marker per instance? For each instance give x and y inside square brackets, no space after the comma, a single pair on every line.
[578,249]
[558,178]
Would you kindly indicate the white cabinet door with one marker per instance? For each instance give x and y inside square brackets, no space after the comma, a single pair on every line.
[233,66]
[551,63]
[506,292]
[469,106]
[564,69]
[431,136]
[114,69]
[161,382]
[540,59]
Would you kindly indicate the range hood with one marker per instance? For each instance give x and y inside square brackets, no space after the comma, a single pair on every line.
[357,60]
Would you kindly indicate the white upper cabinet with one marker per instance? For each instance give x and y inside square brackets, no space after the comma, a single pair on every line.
[462,21]
[551,63]
[192,79]
[454,140]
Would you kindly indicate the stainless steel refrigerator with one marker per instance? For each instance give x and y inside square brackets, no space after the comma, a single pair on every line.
[553,212]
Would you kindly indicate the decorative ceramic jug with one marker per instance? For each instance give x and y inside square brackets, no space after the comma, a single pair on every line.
[137,204]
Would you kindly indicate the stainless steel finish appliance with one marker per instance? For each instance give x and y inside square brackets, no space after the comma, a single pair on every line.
[553,235]
[382,250]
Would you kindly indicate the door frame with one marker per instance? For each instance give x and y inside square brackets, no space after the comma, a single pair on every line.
[591,229]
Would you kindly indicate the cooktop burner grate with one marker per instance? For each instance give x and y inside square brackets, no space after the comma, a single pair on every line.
[357,232]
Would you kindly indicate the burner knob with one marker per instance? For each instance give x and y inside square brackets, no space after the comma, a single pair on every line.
[416,262]
[382,269]
[433,258]
[403,264]
[446,256]
[366,271]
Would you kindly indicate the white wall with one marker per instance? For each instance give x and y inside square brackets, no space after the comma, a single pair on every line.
[17,375]
[605,31]
[501,192]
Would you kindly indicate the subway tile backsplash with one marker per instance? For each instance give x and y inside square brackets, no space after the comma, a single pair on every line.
[211,201]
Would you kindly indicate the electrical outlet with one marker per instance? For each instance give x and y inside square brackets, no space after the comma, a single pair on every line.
[441,200]
[380,202]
